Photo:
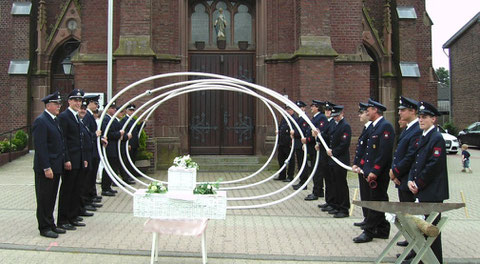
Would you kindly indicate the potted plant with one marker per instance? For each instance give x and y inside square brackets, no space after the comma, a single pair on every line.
[243,45]
[143,155]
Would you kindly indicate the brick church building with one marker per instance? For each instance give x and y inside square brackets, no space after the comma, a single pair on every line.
[342,51]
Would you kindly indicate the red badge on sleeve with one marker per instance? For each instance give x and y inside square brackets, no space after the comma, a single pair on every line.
[376,167]
[437,152]
[345,135]
[321,124]
[386,134]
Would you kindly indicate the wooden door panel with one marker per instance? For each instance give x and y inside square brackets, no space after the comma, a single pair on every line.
[222,122]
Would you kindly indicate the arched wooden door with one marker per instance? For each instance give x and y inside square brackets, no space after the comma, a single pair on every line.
[222,122]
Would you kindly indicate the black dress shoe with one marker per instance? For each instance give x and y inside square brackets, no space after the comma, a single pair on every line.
[403,243]
[96,205]
[49,233]
[89,207]
[278,179]
[86,213]
[75,223]
[108,193]
[311,197]
[327,209]
[59,230]
[287,180]
[78,219]
[340,215]
[67,227]
[410,255]
[130,181]
[362,238]
[334,211]
[113,191]
[97,197]
[360,223]
[297,186]
[322,205]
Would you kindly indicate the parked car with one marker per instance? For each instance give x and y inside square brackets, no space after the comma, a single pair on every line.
[451,142]
[470,135]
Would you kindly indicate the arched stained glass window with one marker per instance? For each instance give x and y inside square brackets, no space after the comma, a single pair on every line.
[243,25]
[200,23]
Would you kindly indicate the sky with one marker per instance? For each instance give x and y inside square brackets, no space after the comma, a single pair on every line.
[448,17]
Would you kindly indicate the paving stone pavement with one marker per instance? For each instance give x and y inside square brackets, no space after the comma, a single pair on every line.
[294,231]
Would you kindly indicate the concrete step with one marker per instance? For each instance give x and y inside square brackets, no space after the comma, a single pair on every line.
[223,163]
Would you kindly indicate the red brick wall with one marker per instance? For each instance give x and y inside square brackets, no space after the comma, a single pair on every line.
[464,68]
[346,22]
[165,27]
[14,32]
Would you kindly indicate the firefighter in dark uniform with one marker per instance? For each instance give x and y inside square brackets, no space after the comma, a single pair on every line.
[48,164]
[114,134]
[69,198]
[320,121]
[323,162]
[299,146]
[428,177]
[339,144]
[132,143]
[284,148]
[359,159]
[89,121]
[378,160]
[405,151]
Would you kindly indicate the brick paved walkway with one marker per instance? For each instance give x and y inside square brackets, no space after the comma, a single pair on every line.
[292,232]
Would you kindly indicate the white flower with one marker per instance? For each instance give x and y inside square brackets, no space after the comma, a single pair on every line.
[154,188]
[209,186]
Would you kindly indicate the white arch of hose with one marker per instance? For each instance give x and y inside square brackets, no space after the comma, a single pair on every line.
[211,86]
[274,94]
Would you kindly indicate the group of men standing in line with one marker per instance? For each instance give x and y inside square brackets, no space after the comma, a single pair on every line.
[417,167]
[66,148]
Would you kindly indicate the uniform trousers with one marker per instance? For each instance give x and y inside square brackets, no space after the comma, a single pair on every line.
[46,193]
[282,155]
[405,196]
[377,225]
[317,176]
[341,200]
[329,181]
[106,180]
[304,176]
[364,193]
[69,196]
[91,189]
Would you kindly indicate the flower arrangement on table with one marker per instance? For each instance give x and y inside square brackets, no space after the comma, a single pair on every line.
[185,162]
[207,188]
[156,187]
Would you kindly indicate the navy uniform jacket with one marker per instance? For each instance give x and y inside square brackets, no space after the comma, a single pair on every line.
[405,154]
[378,153]
[49,147]
[134,140]
[91,124]
[87,141]
[362,146]
[284,134]
[327,131]
[304,127]
[113,135]
[340,137]
[429,171]
[320,121]
[72,138]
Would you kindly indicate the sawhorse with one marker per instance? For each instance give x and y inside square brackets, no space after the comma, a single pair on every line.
[409,228]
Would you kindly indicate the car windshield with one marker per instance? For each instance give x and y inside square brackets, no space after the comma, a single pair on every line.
[472,126]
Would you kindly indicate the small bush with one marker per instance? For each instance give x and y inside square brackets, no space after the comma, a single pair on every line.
[143,153]
[6,146]
[452,129]
[20,139]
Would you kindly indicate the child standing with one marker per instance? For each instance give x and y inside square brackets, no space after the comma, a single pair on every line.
[465,159]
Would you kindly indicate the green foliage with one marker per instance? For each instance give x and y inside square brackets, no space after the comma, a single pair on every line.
[6,146]
[452,129]
[443,75]
[143,153]
[207,188]
[20,140]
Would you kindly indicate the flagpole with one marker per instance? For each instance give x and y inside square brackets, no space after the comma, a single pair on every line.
[110,50]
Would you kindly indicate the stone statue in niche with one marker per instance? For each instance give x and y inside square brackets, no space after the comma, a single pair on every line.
[220,25]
